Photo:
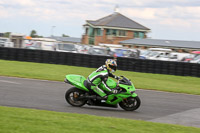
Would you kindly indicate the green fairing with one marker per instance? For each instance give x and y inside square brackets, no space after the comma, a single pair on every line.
[77,81]
[127,87]
[134,95]
[121,96]
[132,88]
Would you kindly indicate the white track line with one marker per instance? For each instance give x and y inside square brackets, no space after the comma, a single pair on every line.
[6,81]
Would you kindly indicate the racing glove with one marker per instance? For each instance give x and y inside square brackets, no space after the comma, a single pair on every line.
[117,77]
[114,91]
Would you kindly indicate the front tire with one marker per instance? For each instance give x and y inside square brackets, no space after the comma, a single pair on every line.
[130,104]
[71,97]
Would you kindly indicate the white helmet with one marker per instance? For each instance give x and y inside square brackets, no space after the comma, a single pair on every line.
[111,65]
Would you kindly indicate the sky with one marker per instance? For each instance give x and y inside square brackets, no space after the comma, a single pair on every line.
[167,19]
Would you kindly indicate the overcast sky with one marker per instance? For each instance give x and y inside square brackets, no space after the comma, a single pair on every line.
[167,19]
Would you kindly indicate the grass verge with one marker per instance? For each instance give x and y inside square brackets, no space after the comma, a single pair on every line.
[170,83]
[18,120]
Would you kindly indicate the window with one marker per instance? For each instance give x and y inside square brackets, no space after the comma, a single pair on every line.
[141,34]
[111,32]
[108,31]
[86,31]
[121,33]
[99,32]
[91,31]
[138,34]
[91,40]
[115,32]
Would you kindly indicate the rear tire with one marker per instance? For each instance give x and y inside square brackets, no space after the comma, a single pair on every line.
[130,104]
[71,97]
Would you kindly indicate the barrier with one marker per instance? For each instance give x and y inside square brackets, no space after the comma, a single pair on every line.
[94,61]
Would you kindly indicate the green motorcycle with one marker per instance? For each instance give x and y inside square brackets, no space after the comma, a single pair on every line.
[81,93]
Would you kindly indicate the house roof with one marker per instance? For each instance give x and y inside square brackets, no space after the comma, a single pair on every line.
[117,20]
[163,43]
[67,39]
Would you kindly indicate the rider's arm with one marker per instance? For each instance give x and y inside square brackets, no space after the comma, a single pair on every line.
[113,76]
[104,79]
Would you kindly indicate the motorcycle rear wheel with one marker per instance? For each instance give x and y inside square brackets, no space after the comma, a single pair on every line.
[71,97]
[130,104]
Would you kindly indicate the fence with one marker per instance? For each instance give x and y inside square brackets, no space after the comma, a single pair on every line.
[94,61]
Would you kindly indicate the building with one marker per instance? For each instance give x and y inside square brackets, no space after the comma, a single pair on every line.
[17,39]
[112,29]
[176,45]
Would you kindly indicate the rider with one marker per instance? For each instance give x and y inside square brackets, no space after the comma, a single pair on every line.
[101,75]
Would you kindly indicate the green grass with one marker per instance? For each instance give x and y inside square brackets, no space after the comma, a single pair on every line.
[18,120]
[170,83]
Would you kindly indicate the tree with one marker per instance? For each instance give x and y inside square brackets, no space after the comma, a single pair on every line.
[63,35]
[7,34]
[33,33]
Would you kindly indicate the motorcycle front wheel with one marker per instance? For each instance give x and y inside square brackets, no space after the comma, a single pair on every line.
[130,104]
[72,96]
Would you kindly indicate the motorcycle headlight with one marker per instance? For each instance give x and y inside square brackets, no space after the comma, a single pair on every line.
[132,92]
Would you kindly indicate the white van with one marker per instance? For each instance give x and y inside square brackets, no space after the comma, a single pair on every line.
[44,43]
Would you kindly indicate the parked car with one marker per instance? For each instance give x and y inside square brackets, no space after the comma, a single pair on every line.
[82,48]
[120,52]
[33,47]
[144,53]
[196,59]
[5,42]
[175,56]
[64,47]
[154,53]
[1,43]
[95,50]
[157,55]
[191,56]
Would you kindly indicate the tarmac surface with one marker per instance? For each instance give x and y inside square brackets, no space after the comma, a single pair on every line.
[156,106]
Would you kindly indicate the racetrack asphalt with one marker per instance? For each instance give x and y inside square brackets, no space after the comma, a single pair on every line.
[156,106]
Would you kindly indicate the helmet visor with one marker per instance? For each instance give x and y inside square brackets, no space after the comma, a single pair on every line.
[113,67]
